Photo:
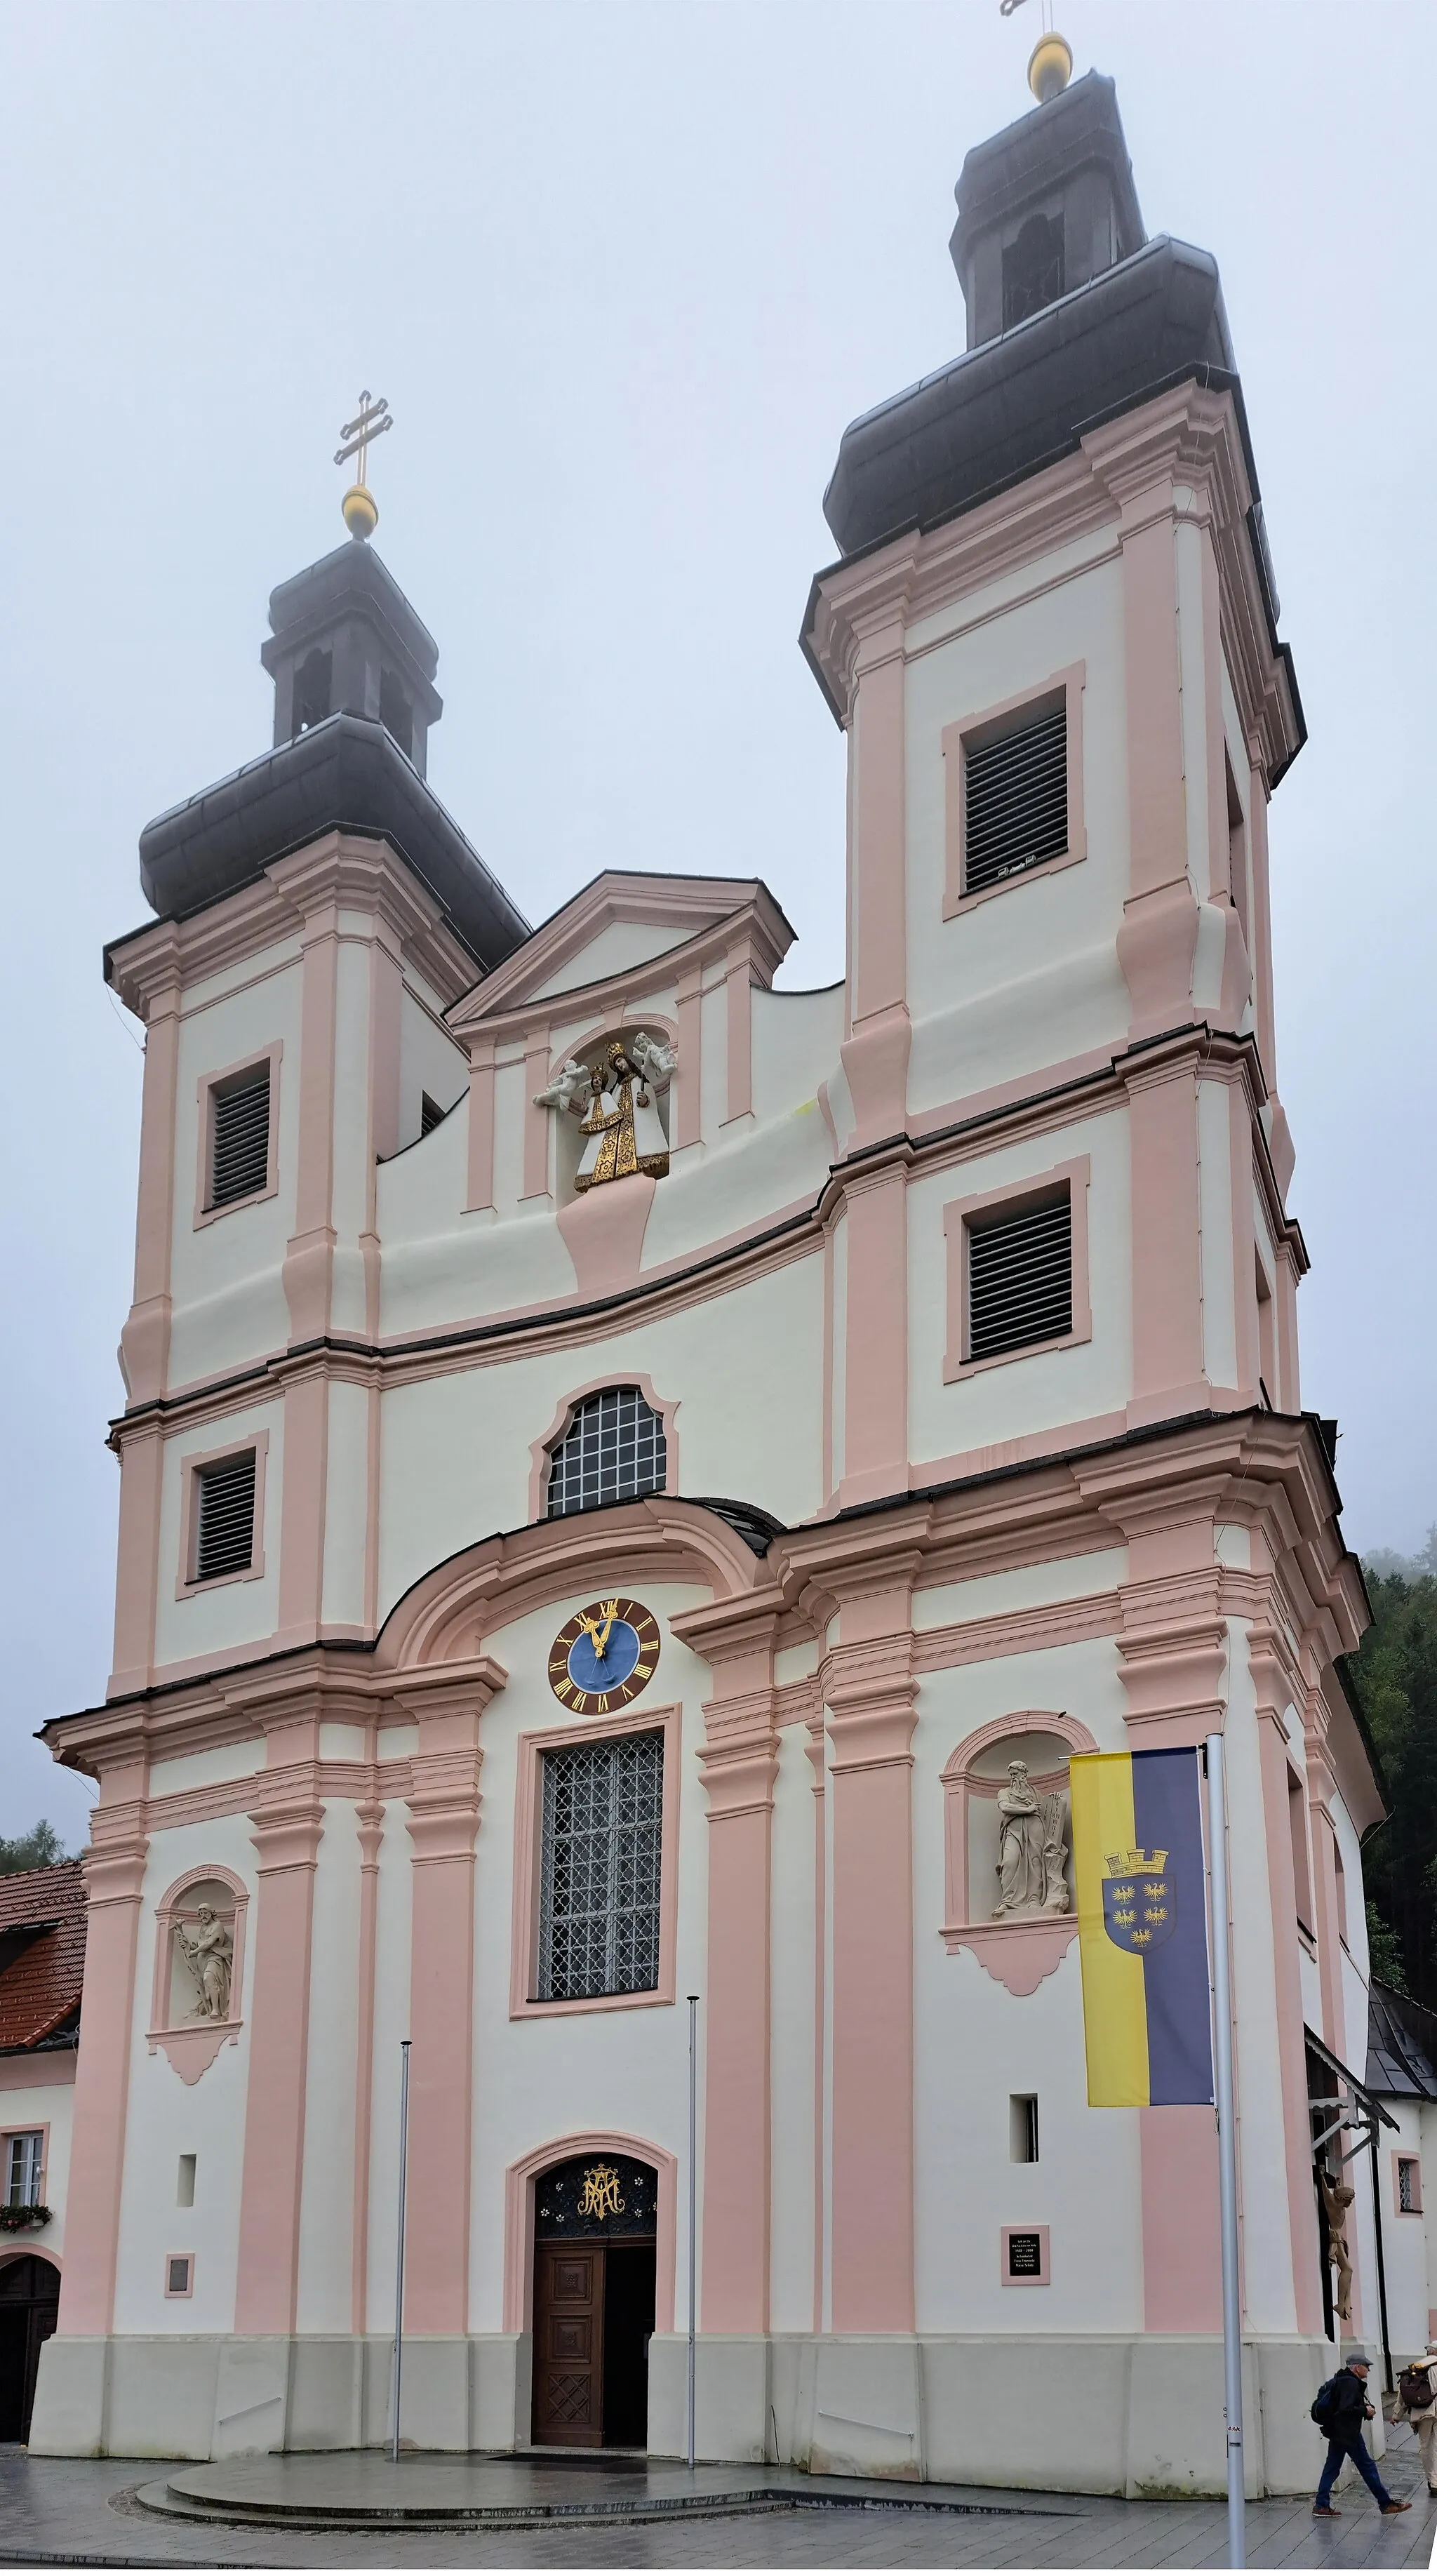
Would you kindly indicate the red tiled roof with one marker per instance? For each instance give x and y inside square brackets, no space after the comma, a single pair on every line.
[42,1987]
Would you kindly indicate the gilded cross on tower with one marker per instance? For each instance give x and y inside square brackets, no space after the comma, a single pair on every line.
[361,514]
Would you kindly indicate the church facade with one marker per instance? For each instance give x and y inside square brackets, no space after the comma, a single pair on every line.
[636,1482]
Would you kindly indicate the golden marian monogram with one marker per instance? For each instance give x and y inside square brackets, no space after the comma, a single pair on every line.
[600,2195]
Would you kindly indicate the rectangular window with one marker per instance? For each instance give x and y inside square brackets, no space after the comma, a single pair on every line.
[1409,2186]
[1020,1276]
[185,2186]
[239,1135]
[1023,2128]
[1341,1877]
[22,2168]
[1015,799]
[179,2275]
[224,1517]
[600,1861]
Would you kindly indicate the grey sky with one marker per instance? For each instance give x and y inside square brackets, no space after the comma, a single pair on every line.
[624,269]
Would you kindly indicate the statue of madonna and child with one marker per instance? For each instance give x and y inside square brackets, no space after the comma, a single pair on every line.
[1032,1848]
[622,1130]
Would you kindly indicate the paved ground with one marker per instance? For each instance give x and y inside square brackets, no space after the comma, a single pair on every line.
[81,2513]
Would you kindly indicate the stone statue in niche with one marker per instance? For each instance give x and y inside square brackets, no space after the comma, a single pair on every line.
[208,1953]
[1337,2199]
[1032,1848]
[623,1132]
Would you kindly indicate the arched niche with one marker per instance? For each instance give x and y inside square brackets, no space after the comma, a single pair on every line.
[199,1981]
[1018,1950]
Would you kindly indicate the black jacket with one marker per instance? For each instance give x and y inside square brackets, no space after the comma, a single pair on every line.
[1346,2408]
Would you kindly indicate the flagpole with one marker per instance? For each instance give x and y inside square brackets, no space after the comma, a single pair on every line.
[398,2368]
[1226,2152]
[693,2212]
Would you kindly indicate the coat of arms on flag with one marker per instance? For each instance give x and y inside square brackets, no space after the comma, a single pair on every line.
[1139,1899]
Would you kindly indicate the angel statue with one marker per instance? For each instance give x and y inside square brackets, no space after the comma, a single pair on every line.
[568,1090]
[1032,1847]
[208,1953]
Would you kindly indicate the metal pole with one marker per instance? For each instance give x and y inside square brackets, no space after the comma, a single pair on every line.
[1381,2266]
[693,2209]
[397,2373]
[1226,2152]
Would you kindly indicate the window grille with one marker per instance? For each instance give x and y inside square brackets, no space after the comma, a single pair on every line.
[1015,800]
[599,1869]
[1406,2179]
[1020,1277]
[22,2169]
[613,1450]
[224,1535]
[239,1136]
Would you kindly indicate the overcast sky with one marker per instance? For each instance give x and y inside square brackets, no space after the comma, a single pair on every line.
[624,269]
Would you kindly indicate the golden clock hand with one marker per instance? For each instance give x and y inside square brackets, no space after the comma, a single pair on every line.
[611,1609]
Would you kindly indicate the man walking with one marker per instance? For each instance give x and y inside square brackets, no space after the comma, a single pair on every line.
[1346,2412]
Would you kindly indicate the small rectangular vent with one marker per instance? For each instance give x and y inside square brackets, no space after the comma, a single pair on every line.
[1020,1278]
[430,1114]
[178,2275]
[1015,800]
[224,1537]
[239,1137]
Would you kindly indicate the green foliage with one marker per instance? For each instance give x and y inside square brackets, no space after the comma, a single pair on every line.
[36,1850]
[1395,1671]
[1385,1951]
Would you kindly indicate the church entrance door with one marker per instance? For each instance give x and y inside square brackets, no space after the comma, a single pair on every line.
[594,2256]
[29,2305]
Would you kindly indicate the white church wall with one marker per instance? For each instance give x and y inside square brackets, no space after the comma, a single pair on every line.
[346,1502]
[429,1058]
[1004,640]
[752,1173]
[792,2064]
[455,1449]
[167,2118]
[204,1770]
[796,1038]
[1021,1587]
[976,2045]
[228,1302]
[231,1613]
[324,2303]
[613,950]
[1048,1388]
[1404,2234]
[540,2077]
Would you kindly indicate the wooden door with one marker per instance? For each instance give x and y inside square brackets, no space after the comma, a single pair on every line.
[29,2305]
[569,2344]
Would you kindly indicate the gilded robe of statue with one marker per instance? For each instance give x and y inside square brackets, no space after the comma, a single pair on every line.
[622,1130]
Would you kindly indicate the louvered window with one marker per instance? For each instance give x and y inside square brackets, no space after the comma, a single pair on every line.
[613,1450]
[1015,800]
[239,1136]
[599,1869]
[1020,1277]
[224,1517]
[430,1114]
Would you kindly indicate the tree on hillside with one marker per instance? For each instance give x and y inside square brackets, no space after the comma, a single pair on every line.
[39,1849]
[1395,1671]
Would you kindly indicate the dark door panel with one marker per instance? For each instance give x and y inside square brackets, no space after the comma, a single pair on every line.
[569,2344]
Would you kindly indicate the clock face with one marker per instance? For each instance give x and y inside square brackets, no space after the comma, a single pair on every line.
[603,1657]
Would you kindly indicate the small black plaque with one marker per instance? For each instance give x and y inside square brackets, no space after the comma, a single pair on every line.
[1025,2254]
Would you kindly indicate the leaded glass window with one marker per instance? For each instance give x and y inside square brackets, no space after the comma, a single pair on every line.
[599,1869]
[613,1450]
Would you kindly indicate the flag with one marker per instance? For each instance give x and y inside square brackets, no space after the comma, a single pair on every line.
[1142,1926]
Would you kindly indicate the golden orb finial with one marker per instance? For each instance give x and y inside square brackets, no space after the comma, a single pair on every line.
[359,508]
[1050,66]
[360,511]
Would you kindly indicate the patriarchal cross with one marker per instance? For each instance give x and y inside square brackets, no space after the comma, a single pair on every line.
[361,515]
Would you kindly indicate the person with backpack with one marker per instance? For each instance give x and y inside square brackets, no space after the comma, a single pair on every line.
[1417,2393]
[1340,2409]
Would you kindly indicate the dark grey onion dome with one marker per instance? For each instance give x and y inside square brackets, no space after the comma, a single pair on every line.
[346,641]
[1019,402]
[346,773]
[1043,207]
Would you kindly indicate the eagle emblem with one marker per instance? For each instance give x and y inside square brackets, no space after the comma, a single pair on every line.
[1139,1900]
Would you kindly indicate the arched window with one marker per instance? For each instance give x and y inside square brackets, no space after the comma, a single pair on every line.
[612,1451]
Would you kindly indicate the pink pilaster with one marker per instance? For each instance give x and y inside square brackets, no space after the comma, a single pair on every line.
[868,1694]
[740,1764]
[536,1121]
[142,1460]
[369,1824]
[1168,1376]
[480,1193]
[145,1340]
[288,1821]
[443,1822]
[1159,930]
[875,1424]
[308,1271]
[687,1095]
[114,1876]
[1264,1654]
[302,1503]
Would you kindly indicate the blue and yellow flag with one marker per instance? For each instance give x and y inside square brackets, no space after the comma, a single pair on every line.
[1142,1926]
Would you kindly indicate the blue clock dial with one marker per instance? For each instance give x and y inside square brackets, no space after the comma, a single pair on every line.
[590,1671]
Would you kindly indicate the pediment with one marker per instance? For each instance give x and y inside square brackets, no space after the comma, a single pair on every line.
[618,924]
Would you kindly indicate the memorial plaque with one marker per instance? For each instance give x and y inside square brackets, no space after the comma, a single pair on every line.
[1025,2254]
